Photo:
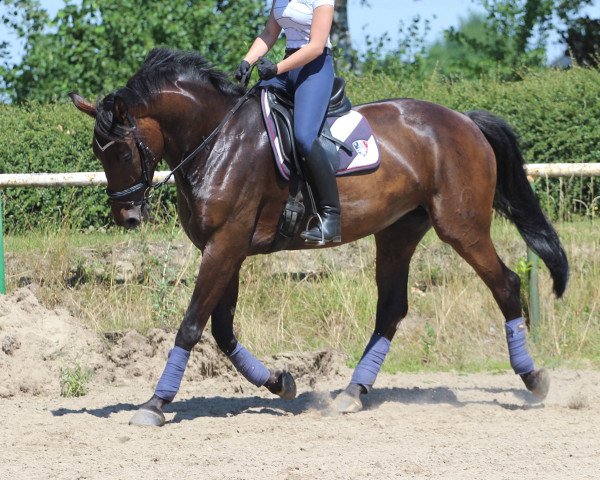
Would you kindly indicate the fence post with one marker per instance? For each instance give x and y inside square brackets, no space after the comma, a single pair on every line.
[534,292]
[2,281]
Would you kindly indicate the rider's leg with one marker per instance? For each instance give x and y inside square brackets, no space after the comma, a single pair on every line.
[313,84]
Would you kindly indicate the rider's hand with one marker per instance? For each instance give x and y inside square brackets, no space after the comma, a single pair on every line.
[242,71]
[266,69]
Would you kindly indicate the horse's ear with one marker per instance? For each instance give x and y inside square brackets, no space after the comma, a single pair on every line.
[82,104]
[119,109]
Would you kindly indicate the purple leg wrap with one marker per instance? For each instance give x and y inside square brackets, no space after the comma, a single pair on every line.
[249,366]
[516,337]
[170,380]
[367,369]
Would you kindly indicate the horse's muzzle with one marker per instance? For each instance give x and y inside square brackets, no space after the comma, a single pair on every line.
[130,217]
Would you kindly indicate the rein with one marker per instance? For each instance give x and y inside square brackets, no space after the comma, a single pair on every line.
[146,156]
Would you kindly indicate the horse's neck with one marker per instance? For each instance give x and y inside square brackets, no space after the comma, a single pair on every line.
[188,118]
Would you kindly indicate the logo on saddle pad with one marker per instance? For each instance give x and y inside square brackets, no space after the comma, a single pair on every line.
[361,147]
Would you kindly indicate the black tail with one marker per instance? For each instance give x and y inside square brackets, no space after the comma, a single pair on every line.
[515,199]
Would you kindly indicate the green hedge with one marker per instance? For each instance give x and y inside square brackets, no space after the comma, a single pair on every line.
[49,138]
[557,114]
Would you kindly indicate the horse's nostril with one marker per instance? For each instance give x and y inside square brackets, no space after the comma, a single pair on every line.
[132,222]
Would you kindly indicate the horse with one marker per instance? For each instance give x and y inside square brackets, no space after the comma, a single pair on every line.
[439,169]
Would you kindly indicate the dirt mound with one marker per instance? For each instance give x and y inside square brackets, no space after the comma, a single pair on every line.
[38,343]
[135,355]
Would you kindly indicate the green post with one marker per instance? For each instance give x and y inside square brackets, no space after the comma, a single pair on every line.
[2,281]
[534,293]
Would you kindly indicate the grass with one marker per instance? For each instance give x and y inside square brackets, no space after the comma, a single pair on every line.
[73,381]
[116,281]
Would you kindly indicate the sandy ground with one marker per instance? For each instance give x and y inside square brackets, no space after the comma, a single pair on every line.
[414,426]
[440,425]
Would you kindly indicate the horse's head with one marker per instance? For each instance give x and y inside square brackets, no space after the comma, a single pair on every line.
[129,149]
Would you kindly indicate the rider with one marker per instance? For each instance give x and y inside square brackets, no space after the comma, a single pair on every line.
[306,71]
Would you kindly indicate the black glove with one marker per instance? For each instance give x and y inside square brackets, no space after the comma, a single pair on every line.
[266,69]
[242,71]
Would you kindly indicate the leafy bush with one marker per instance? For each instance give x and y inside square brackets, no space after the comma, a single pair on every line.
[557,114]
[48,138]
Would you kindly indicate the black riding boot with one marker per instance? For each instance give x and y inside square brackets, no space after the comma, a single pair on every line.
[324,185]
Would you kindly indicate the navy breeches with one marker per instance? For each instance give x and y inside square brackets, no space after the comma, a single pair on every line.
[311,86]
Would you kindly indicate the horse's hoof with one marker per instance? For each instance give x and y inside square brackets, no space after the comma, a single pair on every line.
[538,383]
[347,403]
[148,417]
[285,386]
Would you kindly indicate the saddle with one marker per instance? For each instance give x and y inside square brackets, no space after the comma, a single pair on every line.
[282,105]
[346,135]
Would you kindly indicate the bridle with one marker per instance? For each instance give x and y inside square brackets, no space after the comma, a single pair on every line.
[145,184]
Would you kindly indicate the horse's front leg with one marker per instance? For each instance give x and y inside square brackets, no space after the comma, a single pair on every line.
[216,290]
[277,382]
[220,263]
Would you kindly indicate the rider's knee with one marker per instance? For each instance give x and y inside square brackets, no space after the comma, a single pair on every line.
[304,141]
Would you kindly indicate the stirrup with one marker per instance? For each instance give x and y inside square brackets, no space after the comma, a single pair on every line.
[322,241]
[308,227]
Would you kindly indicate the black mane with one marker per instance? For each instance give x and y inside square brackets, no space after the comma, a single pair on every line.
[162,65]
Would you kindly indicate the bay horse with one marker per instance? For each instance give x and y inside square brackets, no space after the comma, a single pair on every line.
[439,168]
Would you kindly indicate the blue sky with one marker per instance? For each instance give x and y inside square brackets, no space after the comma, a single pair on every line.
[385,15]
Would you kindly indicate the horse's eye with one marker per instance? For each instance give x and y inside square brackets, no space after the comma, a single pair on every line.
[126,157]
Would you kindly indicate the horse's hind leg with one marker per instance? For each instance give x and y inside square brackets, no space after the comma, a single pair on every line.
[395,247]
[469,235]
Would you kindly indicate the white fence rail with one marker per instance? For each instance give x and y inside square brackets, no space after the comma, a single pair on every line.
[79,179]
[33,180]
[563,169]
[98,178]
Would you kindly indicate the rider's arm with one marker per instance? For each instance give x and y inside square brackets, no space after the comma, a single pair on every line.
[319,32]
[265,40]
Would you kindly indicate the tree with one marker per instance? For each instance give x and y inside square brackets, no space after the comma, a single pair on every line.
[515,32]
[340,31]
[97,45]
[582,38]
[340,35]
[452,57]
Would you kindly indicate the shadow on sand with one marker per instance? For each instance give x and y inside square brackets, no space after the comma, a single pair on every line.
[321,401]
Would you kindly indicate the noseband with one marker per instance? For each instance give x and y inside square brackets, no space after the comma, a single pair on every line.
[146,156]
